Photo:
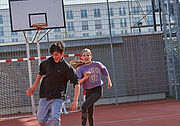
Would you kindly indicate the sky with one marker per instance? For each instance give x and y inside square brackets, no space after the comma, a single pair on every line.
[5,3]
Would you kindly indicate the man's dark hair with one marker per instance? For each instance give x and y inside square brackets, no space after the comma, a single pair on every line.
[57,47]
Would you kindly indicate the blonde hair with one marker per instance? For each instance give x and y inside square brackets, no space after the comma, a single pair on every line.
[86,50]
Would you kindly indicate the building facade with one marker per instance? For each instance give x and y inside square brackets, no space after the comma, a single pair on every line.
[90,20]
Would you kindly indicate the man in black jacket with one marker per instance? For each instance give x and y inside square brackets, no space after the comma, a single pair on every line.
[56,72]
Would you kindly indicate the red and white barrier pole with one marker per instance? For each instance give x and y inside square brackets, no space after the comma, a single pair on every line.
[35,58]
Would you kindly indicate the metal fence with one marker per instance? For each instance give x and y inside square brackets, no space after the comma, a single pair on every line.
[126,37]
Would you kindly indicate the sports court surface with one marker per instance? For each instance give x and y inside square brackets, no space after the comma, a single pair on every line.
[147,113]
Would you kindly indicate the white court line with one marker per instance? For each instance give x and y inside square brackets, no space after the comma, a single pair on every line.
[126,120]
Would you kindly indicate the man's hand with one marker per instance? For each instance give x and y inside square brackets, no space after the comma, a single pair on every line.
[30,91]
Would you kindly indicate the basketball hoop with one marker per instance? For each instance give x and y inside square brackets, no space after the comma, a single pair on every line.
[39,26]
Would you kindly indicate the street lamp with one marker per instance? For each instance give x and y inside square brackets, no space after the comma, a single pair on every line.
[139,25]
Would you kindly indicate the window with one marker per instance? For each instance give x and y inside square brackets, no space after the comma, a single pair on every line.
[136,10]
[85,34]
[14,39]
[57,30]
[113,33]
[98,34]
[112,23]
[150,20]
[14,33]
[1,31]
[124,11]
[69,14]
[150,30]
[125,31]
[136,20]
[148,9]
[29,32]
[71,35]
[1,19]
[121,22]
[85,25]
[97,13]
[120,12]
[122,32]
[83,13]
[57,37]
[30,38]
[111,12]
[125,22]
[98,24]
[1,40]
[70,26]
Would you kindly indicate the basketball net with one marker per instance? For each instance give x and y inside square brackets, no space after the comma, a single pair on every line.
[39,26]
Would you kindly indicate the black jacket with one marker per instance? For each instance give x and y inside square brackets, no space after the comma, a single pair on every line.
[54,83]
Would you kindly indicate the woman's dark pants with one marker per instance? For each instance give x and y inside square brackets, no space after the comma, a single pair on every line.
[92,95]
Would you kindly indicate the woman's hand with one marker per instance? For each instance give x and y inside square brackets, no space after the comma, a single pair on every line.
[74,105]
[87,74]
[109,84]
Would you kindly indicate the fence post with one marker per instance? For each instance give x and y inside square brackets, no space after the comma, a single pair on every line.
[112,53]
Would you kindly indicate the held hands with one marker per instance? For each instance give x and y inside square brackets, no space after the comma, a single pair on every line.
[30,91]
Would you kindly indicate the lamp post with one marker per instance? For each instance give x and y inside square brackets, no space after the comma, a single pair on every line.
[139,25]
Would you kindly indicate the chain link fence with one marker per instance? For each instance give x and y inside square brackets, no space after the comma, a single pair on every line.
[133,39]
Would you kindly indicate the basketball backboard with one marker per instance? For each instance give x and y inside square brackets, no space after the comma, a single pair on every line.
[25,13]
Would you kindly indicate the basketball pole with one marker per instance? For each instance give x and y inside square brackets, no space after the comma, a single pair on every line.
[36,37]
[29,71]
[38,48]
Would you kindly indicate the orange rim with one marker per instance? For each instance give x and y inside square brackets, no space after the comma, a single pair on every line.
[39,26]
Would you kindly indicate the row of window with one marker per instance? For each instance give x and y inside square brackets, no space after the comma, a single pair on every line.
[136,10]
[59,36]
[97,13]
[85,25]
[29,39]
[98,24]
[138,19]
[72,35]
[70,26]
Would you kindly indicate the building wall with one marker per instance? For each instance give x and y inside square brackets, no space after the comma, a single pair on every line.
[134,13]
